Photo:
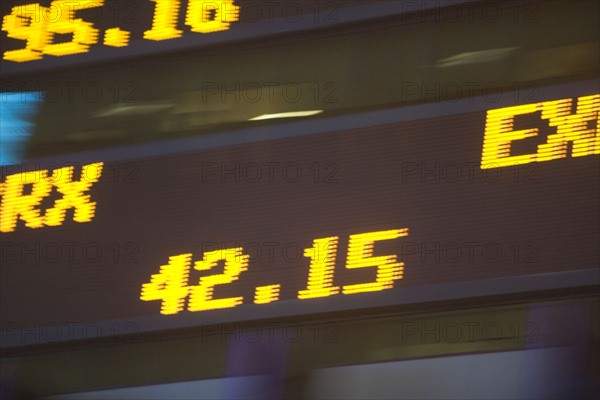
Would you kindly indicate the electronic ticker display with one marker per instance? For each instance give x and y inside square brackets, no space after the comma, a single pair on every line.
[57,33]
[303,222]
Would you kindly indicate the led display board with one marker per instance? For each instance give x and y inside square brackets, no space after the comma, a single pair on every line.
[51,34]
[303,224]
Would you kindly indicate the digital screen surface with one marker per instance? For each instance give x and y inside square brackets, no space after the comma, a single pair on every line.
[304,223]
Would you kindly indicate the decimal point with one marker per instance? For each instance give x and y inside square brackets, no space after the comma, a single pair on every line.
[266,294]
[116,37]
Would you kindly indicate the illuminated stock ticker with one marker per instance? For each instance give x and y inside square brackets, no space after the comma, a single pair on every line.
[42,27]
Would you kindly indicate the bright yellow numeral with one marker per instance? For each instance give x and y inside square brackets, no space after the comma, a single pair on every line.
[207,16]
[84,33]
[169,285]
[201,296]
[360,255]
[322,264]
[27,22]
[165,21]
[266,294]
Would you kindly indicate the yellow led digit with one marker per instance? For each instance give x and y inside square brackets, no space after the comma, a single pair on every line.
[73,194]
[84,33]
[169,285]
[27,22]
[164,23]
[201,296]
[17,205]
[499,134]
[571,128]
[360,255]
[206,16]
[322,265]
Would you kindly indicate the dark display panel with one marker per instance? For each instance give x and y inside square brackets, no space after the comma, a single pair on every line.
[436,214]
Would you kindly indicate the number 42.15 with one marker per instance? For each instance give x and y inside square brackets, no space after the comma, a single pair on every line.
[170,285]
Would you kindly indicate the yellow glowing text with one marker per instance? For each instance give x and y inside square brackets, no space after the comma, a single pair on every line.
[164,23]
[360,255]
[576,128]
[211,16]
[266,294]
[169,285]
[83,33]
[322,264]
[27,22]
[201,296]
[116,37]
[40,26]
[17,205]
